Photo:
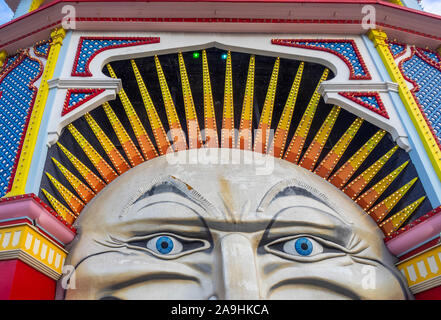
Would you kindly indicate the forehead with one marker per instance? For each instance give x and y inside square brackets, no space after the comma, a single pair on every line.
[230,188]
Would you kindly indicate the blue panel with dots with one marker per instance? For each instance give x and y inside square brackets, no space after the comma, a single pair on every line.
[346,49]
[10,61]
[431,55]
[370,100]
[91,46]
[396,48]
[16,98]
[42,49]
[77,97]
[428,79]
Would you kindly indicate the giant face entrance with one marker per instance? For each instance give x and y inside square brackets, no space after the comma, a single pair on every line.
[111,173]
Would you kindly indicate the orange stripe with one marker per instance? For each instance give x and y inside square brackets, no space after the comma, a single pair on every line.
[354,188]
[310,159]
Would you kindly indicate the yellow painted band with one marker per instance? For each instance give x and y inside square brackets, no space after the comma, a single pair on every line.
[430,144]
[24,163]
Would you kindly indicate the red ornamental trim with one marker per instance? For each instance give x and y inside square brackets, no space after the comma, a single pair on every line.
[421,51]
[41,204]
[413,224]
[399,44]
[87,73]
[93,93]
[417,87]
[352,76]
[220,20]
[19,60]
[354,96]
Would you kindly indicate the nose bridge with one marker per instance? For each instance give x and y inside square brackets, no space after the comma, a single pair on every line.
[239,268]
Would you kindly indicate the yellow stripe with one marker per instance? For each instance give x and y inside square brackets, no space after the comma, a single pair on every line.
[322,136]
[84,171]
[247,108]
[398,2]
[170,110]
[211,137]
[371,172]
[120,163]
[288,110]
[306,121]
[133,154]
[194,133]
[246,120]
[262,136]
[286,117]
[429,141]
[228,112]
[308,116]
[24,163]
[68,196]
[155,121]
[75,182]
[116,124]
[392,200]
[367,148]
[64,212]
[381,186]
[134,120]
[340,147]
[346,139]
[99,163]
[399,218]
[358,158]
[35,4]
[3,56]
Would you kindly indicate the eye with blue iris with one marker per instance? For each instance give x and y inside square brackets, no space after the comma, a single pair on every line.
[302,246]
[165,245]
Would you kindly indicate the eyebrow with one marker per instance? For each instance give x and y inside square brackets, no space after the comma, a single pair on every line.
[342,232]
[172,184]
[293,187]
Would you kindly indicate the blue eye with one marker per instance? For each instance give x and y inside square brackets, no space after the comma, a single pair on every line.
[167,245]
[164,244]
[303,246]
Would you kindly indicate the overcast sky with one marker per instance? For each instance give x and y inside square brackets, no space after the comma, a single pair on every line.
[429,5]
[5,12]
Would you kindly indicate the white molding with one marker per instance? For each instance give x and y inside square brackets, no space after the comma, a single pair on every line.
[361,86]
[30,260]
[84,83]
[259,44]
[426,285]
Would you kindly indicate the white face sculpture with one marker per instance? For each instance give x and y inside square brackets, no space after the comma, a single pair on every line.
[163,231]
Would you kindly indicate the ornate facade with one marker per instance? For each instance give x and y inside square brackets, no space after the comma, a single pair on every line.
[297,133]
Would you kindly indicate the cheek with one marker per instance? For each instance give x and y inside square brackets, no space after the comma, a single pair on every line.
[334,278]
[129,275]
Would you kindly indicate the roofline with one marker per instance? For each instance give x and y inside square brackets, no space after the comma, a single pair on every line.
[412,31]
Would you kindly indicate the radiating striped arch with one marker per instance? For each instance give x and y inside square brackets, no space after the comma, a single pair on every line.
[215,98]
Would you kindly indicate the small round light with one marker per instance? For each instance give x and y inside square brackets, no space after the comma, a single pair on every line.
[224,56]
[196,55]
